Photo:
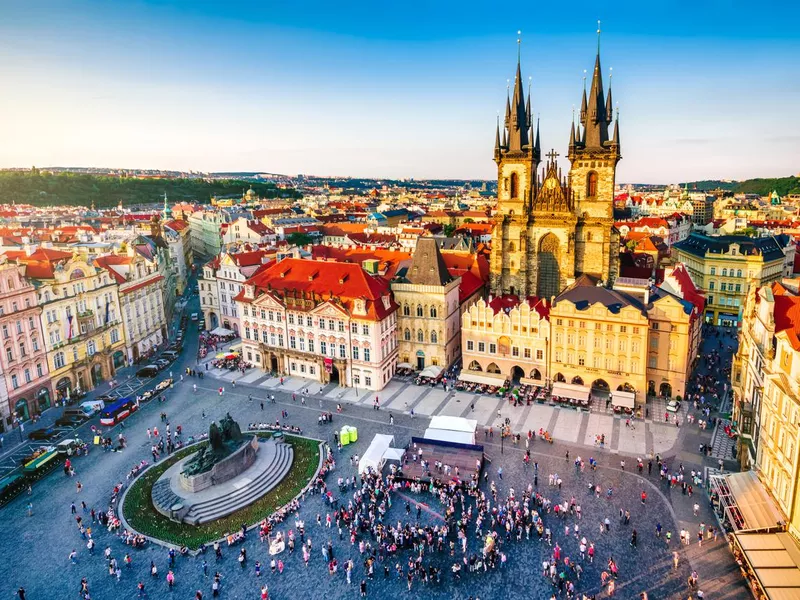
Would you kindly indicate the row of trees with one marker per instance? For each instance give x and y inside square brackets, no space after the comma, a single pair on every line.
[77,189]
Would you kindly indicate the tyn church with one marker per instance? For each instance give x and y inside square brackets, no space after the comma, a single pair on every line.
[549,229]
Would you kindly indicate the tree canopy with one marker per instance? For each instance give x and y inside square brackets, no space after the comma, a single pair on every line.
[78,189]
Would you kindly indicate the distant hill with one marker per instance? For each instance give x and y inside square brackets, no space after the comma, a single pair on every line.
[783,185]
[44,189]
[763,187]
[707,185]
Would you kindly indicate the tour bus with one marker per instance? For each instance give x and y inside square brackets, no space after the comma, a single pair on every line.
[118,411]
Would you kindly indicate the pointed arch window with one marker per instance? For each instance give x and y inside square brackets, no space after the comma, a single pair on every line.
[434,337]
[407,335]
[420,336]
[591,184]
[514,185]
[419,311]
[406,310]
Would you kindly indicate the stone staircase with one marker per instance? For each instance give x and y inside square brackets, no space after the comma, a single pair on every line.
[279,466]
[231,498]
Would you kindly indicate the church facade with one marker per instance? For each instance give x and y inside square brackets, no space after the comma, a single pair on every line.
[550,229]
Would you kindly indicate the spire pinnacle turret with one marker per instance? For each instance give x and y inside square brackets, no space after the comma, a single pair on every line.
[609,103]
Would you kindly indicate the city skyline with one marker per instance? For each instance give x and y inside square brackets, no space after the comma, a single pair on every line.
[244,87]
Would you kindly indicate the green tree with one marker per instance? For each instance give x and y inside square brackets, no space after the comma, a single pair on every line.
[449,229]
[299,239]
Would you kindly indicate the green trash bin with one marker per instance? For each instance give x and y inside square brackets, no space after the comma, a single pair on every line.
[353,435]
[344,436]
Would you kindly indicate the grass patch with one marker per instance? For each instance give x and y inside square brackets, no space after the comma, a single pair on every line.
[144,518]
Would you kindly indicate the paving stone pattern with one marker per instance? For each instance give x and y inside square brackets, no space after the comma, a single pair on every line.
[36,550]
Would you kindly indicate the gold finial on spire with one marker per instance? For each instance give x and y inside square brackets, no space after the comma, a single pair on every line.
[598,36]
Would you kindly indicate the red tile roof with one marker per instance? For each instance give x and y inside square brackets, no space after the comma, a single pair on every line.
[787,318]
[344,281]
[508,302]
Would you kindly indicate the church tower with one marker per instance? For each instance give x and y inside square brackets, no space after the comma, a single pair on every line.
[517,155]
[593,156]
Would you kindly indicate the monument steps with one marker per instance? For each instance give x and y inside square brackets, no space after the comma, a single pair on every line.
[270,477]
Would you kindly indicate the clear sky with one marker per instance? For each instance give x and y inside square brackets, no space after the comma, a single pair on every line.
[706,89]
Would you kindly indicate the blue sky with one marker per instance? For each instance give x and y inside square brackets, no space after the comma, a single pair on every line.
[705,89]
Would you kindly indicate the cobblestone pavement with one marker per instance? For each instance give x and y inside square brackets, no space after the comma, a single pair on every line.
[35,554]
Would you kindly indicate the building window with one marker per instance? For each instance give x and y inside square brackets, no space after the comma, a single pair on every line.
[591,184]
[539,355]
[39,370]
[514,192]
[366,354]
[292,342]
[723,287]
[407,335]
[302,368]
[14,382]
[355,352]
[247,333]
[312,370]
[356,379]
[420,336]
[365,329]
[712,284]
[309,321]
[434,337]
[353,327]
[527,353]
[290,318]
[582,361]
[434,312]
[341,326]
[323,348]
[302,345]
[58,360]
[368,381]
[419,311]
[713,270]
[724,272]
[470,345]
[311,345]
[651,362]
[492,348]
[406,310]
[481,347]
[515,351]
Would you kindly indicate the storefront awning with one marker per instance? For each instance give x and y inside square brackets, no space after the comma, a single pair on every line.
[571,390]
[771,562]
[481,377]
[623,399]
[745,501]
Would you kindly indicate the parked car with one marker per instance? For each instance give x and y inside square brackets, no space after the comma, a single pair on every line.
[92,407]
[673,406]
[169,355]
[161,363]
[46,434]
[70,420]
[148,371]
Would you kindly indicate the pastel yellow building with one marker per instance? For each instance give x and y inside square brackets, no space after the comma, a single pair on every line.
[724,267]
[81,320]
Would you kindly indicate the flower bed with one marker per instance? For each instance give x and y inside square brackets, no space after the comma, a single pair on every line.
[142,516]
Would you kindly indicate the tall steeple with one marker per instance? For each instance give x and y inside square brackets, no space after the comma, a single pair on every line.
[595,119]
[167,212]
[517,113]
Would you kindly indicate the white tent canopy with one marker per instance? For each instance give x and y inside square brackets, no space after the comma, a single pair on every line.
[405,365]
[481,377]
[571,390]
[221,331]
[374,456]
[431,371]
[623,399]
[452,429]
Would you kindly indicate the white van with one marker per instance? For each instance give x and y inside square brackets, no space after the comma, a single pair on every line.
[195,316]
[92,407]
